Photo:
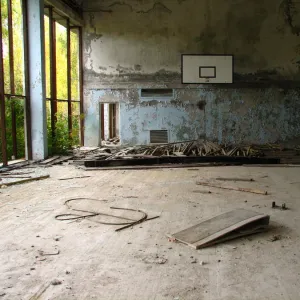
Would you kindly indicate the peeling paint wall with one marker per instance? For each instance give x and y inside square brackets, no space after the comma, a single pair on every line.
[224,115]
[134,44]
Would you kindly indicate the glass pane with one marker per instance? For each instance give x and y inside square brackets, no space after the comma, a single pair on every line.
[5,47]
[62,140]
[49,130]
[20,122]
[18,47]
[75,65]
[8,123]
[75,124]
[20,126]
[47,57]
[61,61]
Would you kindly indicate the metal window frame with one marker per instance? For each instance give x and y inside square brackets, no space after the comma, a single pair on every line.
[4,96]
[53,74]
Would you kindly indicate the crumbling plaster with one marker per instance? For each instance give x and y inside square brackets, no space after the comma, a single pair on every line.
[140,42]
[134,44]
[224,115]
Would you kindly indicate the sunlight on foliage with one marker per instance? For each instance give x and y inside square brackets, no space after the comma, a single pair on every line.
[61,139]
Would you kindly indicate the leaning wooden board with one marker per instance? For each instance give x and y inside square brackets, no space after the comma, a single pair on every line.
[224,227]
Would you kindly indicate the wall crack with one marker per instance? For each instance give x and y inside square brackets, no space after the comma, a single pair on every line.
[289,10]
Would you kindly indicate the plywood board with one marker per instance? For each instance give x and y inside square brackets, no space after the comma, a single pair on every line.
[226,226]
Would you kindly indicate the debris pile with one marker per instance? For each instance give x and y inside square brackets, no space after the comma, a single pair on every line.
[113,141]
[180,149]
[190,148]
[111,150]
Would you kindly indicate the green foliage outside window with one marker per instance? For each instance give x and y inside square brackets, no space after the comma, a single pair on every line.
[62,141]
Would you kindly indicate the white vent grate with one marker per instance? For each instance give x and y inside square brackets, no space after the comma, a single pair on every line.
[159,136]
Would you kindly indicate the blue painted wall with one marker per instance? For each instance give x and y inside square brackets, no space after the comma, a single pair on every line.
[223,115]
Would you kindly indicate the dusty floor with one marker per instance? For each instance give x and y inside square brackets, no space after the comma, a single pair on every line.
[95,262]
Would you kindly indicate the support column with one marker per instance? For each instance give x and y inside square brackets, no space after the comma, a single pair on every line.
[35,13]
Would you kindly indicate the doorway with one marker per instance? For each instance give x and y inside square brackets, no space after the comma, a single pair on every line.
[109,123]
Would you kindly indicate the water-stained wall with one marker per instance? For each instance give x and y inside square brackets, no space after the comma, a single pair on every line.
[223,115]
[134,44]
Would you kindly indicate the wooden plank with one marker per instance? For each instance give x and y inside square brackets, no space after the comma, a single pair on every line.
[49,160]
[235,179]
[24,180]
[62,159]
[178,160]
[223,227]
[254,191]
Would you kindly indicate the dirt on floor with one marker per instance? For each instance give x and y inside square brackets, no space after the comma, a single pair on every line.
[45,258]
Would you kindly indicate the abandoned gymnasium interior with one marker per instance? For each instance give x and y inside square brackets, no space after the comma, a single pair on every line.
[149,149]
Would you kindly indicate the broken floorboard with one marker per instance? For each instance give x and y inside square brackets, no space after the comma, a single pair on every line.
[227,226]
[246,190]
[24,180]
[49,160]
[178,160]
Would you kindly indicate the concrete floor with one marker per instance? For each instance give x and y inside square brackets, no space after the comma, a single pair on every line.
[95,262]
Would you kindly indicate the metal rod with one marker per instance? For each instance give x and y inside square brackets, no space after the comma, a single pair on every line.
[14,96]
[69,79]
[2,100]
[53,79]
[27,81]
[80,52]
[62,100]
[12,75]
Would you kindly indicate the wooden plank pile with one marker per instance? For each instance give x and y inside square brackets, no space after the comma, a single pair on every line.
[190,148]
[194,148]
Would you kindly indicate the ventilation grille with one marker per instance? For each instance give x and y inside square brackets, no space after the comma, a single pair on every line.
[159,136]
[156,93]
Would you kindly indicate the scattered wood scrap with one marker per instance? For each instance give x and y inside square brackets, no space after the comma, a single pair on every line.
[178,151]
[24,180]
[221,228]
[55,160]
[76,177]
[175,160]
[235,179]
[49,160]
[254,191]
[112,141]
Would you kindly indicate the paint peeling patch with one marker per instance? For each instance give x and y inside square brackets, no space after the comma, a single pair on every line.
[260,75]
[157,8]
[290,12]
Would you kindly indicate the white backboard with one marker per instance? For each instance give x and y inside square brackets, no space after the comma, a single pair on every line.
[201,69]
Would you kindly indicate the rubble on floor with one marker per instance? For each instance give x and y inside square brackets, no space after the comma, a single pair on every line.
[19,174]
[195,148]
[188,148]
[112,141]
